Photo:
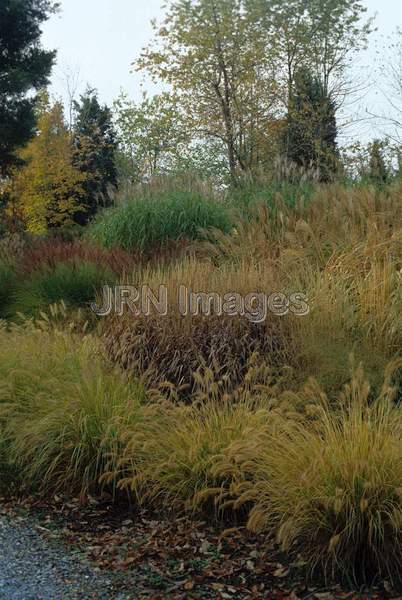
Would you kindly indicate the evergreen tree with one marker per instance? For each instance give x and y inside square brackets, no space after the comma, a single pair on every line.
[311,131]
[24,68]
[94,153]
[378,171]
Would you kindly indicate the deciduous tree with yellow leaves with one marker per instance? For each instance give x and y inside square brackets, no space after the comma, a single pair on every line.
[46,190]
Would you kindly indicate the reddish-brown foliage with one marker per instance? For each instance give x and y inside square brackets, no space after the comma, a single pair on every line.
[48,253]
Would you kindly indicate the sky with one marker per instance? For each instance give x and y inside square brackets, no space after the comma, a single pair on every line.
[100,39]
[97,40]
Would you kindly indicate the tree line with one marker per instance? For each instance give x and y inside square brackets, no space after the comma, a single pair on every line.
[251,83]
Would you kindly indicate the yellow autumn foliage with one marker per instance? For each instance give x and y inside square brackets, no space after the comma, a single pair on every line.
[46,190]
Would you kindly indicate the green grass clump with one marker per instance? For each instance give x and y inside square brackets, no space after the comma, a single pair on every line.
[73,282]
[147,222]
[61,409]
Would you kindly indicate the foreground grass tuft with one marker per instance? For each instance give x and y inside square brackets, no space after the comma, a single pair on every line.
[331,487]
[172,460]
[61,409]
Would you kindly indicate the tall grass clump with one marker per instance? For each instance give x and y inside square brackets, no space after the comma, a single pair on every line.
[331,487]
[343,250]
[174,346]
[7,284]
[355,307]
[271,194]
[171,459]
[11,250]
[61,409]
[73,282]
[149,221]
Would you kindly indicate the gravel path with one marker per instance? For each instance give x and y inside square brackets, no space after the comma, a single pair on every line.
[32,568]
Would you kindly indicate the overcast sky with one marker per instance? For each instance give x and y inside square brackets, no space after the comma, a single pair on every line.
[99,39]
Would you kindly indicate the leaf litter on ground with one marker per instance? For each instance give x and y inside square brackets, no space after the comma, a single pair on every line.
[162,555]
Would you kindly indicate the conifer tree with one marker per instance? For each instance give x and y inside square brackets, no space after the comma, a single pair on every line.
[378,171]
[94,153]
[24,68]
[311,132]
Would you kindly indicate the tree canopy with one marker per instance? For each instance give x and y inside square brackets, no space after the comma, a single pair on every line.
[232,66]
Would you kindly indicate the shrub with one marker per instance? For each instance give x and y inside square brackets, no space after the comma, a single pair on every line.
[74,283]
[61,409]
[331,487]
[147,222]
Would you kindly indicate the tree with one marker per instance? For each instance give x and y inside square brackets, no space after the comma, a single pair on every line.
[396,73]
[393,71]
[377,171]
[288,27]
[311,132]
[151,136]
[24,68]
[220,69]
[94,153]
[153,141]
[322,36]
[338,33]
[46,188]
